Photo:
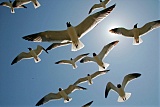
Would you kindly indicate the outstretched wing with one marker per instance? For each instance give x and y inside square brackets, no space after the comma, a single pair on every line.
[80,80]
[122,31]
[87,59]
[149,27]
[56,45]
[109,87]
[72,88]
[95,6]
[98,73]
[48,97]
[21,56]
[92,20]
[106,49]
[80,57]
[63,62]
[128,78]
[48,36]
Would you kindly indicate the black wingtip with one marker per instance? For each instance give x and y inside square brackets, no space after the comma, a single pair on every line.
[82,88]
[40,102]
[136,74]
[81,61]
[57,62]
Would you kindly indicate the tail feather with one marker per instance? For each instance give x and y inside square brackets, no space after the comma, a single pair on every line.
[36,4]
[80,46]
[127,96]
[105,67]
[137,43]
[37,60]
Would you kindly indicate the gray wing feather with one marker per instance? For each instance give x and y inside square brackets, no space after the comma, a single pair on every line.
[149,27]
[80,57]
[128,78]
[48,97]
[91,21]
[110,86]
[48,36]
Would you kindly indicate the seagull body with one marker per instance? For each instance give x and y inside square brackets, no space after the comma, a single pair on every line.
[56,45]
[31,54]
[89,77]
[88,104]
[10,5]
[61,94]
[22,2]
[136,32]
[120,87]
[72,61]
[102,4]
[98,58]
[72,34]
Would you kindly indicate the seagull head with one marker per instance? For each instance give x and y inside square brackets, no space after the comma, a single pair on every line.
[100,0]
[118,85]
[94,54]
[68,24]
[60,89]
[88,74]
[30,49]
[71,59]
[135,26]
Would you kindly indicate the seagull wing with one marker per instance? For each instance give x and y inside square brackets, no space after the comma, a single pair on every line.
[122,31]
[56,45]
[80,57]
[94,7]
[88,104]
[91,21]
[109,87]
[106,1]
[98,73]
[106,49]
[149,27]
[72,88]
[128,78]
[87,59]
[48,97]
[63,62]
[21,56]
[48,36]
[5,4]
[81,80]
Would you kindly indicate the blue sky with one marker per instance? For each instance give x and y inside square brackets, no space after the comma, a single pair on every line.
[25,83]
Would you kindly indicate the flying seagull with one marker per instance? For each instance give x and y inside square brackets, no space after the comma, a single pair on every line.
[89,77]
[61,94]
[88,104]
[102,4]
[136,32]
[17,3]
[56,45]
[31,54]
[123,96]
[72,61]
[10,5]
[98,58]
[72,33]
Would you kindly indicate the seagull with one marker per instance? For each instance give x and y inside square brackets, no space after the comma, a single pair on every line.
[98,58]
[22,2]
[88,104]
[72,61]
[120,87]
[89,77]
[31,54]
[136,32]
[10,5]
[72,34]
[56,45]
[61,94]
[102,4]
